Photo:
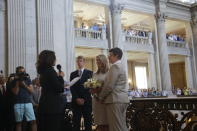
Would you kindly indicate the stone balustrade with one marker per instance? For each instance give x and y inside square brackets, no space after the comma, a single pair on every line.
[90,34]
[179,44]
[137,39]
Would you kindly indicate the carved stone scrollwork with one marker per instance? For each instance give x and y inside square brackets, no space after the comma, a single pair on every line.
[187,117]
[156,115]
[194,15]
[160,16]
[154,119]
[194,20]
[116,8]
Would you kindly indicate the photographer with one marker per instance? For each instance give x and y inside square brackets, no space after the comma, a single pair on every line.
[23,106]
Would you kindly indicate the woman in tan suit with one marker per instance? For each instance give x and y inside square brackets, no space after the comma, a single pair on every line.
[99,109]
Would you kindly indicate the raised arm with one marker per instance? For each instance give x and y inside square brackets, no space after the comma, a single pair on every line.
[57,82]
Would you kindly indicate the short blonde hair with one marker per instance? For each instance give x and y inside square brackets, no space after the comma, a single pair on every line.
[105,63]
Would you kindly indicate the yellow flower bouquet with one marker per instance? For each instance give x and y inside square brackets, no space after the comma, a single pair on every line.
[93,84]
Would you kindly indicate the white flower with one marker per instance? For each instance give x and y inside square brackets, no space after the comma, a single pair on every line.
[92,83]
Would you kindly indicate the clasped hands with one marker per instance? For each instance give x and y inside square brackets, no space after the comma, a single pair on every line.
[80,101]
[95,90]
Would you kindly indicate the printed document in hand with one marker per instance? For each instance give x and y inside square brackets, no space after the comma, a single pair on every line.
[74,81]
[67,85]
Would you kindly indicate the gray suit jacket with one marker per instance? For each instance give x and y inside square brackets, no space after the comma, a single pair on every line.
[115,88]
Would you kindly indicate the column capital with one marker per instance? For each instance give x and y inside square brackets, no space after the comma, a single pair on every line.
[194,20]
[116,8]
[194,7]
[194,15]
[160,16]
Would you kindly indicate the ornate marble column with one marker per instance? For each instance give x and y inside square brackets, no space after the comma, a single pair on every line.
[55,26]
[152,71]
[59,37]
[188,70]
[3,25]
[194,44]
[189,60]
[162,49]
[116,10]
[70,45]
[30,34]
[108,19]
[45,32]
[21,35]
[157,62]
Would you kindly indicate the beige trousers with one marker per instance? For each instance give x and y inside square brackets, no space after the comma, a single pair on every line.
[116,116]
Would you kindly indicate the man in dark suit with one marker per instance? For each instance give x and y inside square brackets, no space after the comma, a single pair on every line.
[81,97]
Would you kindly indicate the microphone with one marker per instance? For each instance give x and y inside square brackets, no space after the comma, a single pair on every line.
[59,67]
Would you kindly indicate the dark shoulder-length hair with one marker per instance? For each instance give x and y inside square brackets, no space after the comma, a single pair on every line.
[45,60]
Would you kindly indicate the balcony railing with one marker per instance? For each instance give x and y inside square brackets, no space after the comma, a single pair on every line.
[178,44]
[156,114]
[162,114]
[137,40]
[90,34]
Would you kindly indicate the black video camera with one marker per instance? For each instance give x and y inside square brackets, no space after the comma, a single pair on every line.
[22,76]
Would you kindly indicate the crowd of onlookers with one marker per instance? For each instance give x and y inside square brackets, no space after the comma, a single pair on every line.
[93,31]
[175,37]
[94,27]
[134,32]
[129,31]
[145,92]
[18,108]
[153,92]
[143,33]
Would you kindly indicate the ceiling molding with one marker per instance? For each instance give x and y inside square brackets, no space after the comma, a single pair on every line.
[96,2]
[178,12]
[140,6]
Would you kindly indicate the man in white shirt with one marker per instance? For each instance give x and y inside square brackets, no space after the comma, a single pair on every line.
[81,97]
